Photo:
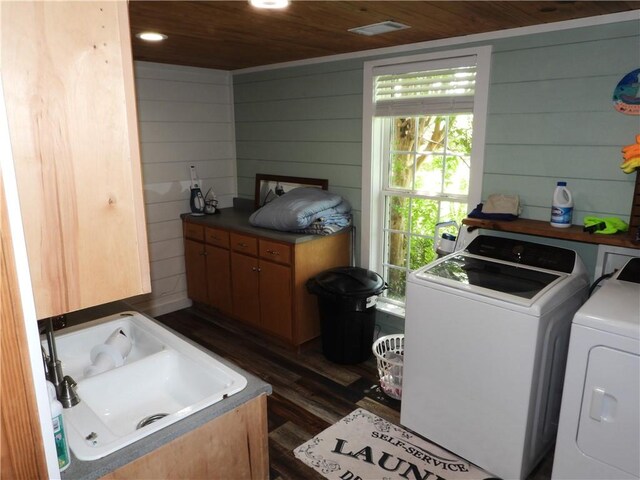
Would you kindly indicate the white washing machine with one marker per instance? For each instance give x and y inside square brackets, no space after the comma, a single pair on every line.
[486,335]
[599,431]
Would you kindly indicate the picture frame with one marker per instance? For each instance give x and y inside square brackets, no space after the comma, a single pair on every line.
[268,187]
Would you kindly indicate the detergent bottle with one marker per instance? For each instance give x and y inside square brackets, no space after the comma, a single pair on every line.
[562,206]
[62,447]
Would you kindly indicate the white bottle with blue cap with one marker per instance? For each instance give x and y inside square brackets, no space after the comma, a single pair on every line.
[562,206]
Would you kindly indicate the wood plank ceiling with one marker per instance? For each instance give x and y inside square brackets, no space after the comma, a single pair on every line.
[231,35]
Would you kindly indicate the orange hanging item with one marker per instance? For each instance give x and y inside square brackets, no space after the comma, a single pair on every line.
[631,157]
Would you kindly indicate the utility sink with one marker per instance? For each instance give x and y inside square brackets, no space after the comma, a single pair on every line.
[162,380]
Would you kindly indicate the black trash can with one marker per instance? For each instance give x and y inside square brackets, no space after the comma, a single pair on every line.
[346,300]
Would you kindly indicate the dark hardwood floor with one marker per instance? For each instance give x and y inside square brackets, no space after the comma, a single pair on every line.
[310,393]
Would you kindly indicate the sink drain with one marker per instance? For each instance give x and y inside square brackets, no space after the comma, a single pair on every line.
[150,419]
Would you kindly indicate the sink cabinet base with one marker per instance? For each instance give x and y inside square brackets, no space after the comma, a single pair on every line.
[233,445]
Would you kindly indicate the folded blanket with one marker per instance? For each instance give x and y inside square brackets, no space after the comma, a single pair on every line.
[324,226]
[298,208]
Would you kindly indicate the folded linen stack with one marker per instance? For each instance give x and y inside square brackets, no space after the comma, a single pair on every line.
[498,207]
[327,225]
[305,209]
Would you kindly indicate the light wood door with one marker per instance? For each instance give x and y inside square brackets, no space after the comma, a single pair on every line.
[70,100]
[245,288]
[219,278]
[196,268]
[275,299]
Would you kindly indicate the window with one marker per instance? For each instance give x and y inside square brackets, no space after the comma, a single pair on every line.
[422,165]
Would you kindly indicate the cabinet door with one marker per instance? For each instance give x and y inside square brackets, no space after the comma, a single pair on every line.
[245,288]
[70,101]
[219,278]
[232,446]
[275,299]
[196,267]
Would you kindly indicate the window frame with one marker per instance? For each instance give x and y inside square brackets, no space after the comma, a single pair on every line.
[373,175]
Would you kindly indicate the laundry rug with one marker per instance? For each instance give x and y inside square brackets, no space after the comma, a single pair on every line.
[363,446]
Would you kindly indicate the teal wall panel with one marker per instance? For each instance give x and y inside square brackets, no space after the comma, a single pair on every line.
[565,128]
[339,106]
[325,130]
[558,95]
[586,161]
[342,153]
[550,118]
[300,86]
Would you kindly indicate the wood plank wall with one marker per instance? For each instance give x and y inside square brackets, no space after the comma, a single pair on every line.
[186,118]
[303,122]
[550,118]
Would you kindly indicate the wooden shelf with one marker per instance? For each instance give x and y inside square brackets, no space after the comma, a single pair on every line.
[544,229]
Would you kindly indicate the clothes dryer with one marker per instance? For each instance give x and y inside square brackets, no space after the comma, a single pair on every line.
[486,336]
[599,431]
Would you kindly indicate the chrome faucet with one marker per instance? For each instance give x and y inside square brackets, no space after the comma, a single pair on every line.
[65,385]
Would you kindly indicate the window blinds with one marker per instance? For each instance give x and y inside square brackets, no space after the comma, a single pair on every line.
[436,87]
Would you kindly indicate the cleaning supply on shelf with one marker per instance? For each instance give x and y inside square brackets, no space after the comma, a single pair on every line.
[62,447]
[562,206]
[606,225]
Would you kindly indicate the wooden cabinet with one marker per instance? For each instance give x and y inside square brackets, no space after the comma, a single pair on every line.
[245,288]
[231,446]
[261,289]
[71,110]
[208,267]
[266,283]
[275,299]
[218,279]
[196,261]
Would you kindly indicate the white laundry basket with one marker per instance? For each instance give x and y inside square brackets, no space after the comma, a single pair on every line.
[389,352]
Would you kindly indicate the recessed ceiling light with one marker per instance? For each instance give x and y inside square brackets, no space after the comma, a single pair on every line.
[151,36]
[378,28]
[269,3]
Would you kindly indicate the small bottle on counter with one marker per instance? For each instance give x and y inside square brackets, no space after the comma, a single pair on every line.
[562,206]
[62,447]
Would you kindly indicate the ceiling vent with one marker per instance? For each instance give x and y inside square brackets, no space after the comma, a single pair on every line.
[378,28]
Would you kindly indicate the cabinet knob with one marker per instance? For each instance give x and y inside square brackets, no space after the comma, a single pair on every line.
[204,254]
[243,245]
[255,269]
[273,252]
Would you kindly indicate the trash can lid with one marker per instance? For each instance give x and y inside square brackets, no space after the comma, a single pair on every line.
[351,281]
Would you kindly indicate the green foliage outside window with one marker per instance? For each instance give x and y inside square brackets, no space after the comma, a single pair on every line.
[428,168]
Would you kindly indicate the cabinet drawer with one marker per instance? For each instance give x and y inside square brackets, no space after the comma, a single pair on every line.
[276,252]
[217,237]
[244,243]
[194,231]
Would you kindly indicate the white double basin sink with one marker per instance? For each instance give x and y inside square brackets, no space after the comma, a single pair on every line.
[162,377]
